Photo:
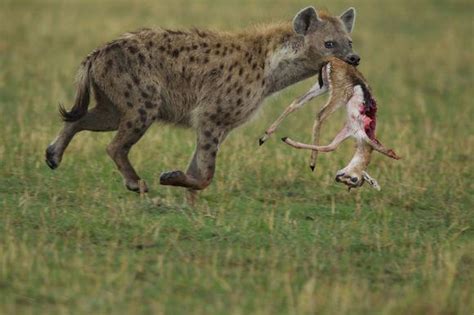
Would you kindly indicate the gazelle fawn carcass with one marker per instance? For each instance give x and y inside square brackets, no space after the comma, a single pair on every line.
[347,86]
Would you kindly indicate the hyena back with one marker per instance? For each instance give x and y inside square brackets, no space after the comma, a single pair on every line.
[210,81]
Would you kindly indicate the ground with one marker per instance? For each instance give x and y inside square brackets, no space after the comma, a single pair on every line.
[268,236]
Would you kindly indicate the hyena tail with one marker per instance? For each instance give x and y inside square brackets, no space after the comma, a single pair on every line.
[81,103]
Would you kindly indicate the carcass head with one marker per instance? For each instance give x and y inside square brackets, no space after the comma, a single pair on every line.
[361,124]
[354,174]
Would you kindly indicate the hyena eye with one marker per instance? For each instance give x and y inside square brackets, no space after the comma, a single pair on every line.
[329,44]
[350,44]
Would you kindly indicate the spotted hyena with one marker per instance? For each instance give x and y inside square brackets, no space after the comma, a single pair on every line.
[210,81]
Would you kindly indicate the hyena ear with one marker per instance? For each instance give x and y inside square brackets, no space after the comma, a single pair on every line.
[304,19]
[348,19]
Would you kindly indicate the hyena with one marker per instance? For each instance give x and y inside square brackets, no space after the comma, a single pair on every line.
[210,81]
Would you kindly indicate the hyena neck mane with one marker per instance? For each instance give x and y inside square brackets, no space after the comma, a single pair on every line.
[286,59]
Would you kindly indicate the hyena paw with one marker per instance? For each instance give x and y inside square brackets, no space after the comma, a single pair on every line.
[51,158]
[173,178]
[134,185]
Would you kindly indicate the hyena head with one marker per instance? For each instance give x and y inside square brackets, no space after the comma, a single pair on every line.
[325,35]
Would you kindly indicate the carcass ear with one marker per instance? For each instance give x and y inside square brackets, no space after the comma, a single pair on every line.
[304,19]
[372,182]
[348,19]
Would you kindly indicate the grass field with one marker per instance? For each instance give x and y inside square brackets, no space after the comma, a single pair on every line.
[268,236]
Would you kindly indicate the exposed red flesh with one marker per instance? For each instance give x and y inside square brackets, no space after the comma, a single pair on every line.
[369,111]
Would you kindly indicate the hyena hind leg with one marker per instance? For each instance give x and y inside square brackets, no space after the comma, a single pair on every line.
[97,119]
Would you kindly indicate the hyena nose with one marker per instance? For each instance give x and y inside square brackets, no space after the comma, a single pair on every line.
[353,59]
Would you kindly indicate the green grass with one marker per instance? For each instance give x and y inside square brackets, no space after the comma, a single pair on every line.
[268,236]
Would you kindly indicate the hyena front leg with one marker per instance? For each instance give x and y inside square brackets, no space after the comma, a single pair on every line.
[130,130]
[99,118]
[202,166]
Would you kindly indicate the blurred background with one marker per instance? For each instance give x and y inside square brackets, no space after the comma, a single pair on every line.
[268,235]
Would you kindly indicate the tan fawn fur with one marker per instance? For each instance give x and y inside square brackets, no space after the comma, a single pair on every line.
[210,81]
[347,86]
